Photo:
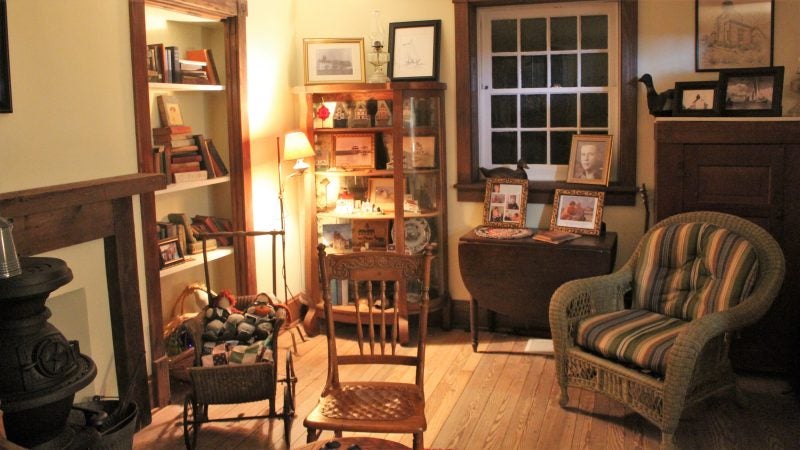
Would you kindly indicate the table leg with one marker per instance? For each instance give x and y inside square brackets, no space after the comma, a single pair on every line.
[473,323]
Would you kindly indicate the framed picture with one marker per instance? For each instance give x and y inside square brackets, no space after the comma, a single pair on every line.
[5,70]
[334,60]
[370,234]
[354,151]
[415,50]
[169,252]
[419,152]
[590,159]
[381,193]
[751,92]
[577,211]
[733,34]
[695,98]
[156,69]
[505,202]
[337,236]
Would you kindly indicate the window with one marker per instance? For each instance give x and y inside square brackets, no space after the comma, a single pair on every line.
[542,72]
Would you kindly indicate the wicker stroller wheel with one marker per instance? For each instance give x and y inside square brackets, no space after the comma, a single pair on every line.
[288,399]
[193,416]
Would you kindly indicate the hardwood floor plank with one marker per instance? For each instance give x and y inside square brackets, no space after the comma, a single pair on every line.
[516,429]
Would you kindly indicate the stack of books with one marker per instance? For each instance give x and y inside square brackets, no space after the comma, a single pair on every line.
[181,159]
[555,236]
[193,72]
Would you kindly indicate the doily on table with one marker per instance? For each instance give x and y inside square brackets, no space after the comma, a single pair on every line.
[503,233]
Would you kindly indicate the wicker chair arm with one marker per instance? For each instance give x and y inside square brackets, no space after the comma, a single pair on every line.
[577,299]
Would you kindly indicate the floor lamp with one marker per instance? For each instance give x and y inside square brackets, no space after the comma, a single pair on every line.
[295,147]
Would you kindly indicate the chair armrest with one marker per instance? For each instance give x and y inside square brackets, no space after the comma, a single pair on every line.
[577,299]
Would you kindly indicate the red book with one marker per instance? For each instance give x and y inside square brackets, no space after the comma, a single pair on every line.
[175,129]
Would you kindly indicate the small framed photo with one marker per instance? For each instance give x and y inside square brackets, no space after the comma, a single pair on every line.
[733,34]
[334,60]
[169,252]
[590,159]
[577,211]
[505,202]
[337,236]
[381,193]
[751,92]
[415,50]
[354,151]
[695,98]
[419,152]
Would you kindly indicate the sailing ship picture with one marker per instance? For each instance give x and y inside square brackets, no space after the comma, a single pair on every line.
[749,93]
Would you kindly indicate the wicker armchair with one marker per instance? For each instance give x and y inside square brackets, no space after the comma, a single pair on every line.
[688,361]
[377,283]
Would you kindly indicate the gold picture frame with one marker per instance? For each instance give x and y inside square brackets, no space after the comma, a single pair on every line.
[577,211]
[382,194]
[505,203]
[334,60]
[354,151]
[169,252]
[590,159]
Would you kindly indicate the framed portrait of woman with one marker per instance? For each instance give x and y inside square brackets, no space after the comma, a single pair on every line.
[590,159]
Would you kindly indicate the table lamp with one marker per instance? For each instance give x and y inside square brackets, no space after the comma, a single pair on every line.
[296,146]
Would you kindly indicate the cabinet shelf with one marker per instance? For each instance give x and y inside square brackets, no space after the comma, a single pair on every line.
[174,87]
[177,187]
[353,130]
[407,215]
[196,260]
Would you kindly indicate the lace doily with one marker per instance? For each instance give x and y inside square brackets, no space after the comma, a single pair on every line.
[503,233]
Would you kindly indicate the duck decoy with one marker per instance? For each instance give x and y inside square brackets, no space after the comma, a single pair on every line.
[659,104]
[504,172]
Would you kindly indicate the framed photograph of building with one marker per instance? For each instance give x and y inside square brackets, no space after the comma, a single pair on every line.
[334,60]
[733,34]
[751,92]
[354,151]
[695,98]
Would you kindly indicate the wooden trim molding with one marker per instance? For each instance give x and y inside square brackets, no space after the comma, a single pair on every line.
[469,185]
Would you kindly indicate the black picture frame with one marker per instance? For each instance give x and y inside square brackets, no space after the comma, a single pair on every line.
[414,48]
[5,70]
[731,38]
[755,92]
[696,98]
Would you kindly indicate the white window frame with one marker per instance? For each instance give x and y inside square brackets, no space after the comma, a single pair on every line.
[545,172]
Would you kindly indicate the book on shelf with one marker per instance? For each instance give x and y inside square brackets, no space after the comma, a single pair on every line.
[193,72]
[190,157]
[206,56]
[178,167]
[173,130]
[205,156]
[210,224]
[555,236]
[219,164]
[182,220]
[158,158]
[195,175]
[174,56]
[169,110]
[156,67]
[197,246]
[185,149]
[175,140]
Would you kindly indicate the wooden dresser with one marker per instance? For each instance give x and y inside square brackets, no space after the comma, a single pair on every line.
[750,168]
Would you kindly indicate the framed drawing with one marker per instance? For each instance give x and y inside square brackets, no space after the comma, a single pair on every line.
[5,70]
[695,98]
[354,151]
[505,202]
[415,50]
[733,34]
[751,92]
[334,60]
[590,159]
[169,252]
[577,211]
[381,193]
[419,152]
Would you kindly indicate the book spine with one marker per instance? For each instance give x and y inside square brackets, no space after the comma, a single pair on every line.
[176,73]
[182,219]
[205,155]
[182,177]
[212,150]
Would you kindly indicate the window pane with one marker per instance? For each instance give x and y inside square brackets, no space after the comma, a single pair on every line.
[504,35]
[594,110]
[533,111]
[565,71]
[594,69]
[564,33]
[504,147]
[534,147]
[534,35]
[560,143]
[564,110]
[534,71]
[594,32]
[504,111]
[504,72]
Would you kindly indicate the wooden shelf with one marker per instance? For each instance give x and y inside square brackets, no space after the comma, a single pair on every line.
[406,215]
[196,260]
[172,87]
[177,187]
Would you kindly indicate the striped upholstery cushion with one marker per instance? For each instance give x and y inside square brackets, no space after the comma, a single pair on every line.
[692,269]
[633,336]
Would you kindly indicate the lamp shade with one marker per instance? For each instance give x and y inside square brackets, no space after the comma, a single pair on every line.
[297,146]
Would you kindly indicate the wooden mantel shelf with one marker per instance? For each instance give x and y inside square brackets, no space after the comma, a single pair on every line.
[54,217]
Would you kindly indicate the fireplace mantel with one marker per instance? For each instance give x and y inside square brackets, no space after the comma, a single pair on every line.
[54,217]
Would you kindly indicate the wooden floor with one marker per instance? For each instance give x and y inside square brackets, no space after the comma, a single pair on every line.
[503,398]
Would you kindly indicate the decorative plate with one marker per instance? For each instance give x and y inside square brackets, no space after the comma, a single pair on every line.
[417,235]
[503,233]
